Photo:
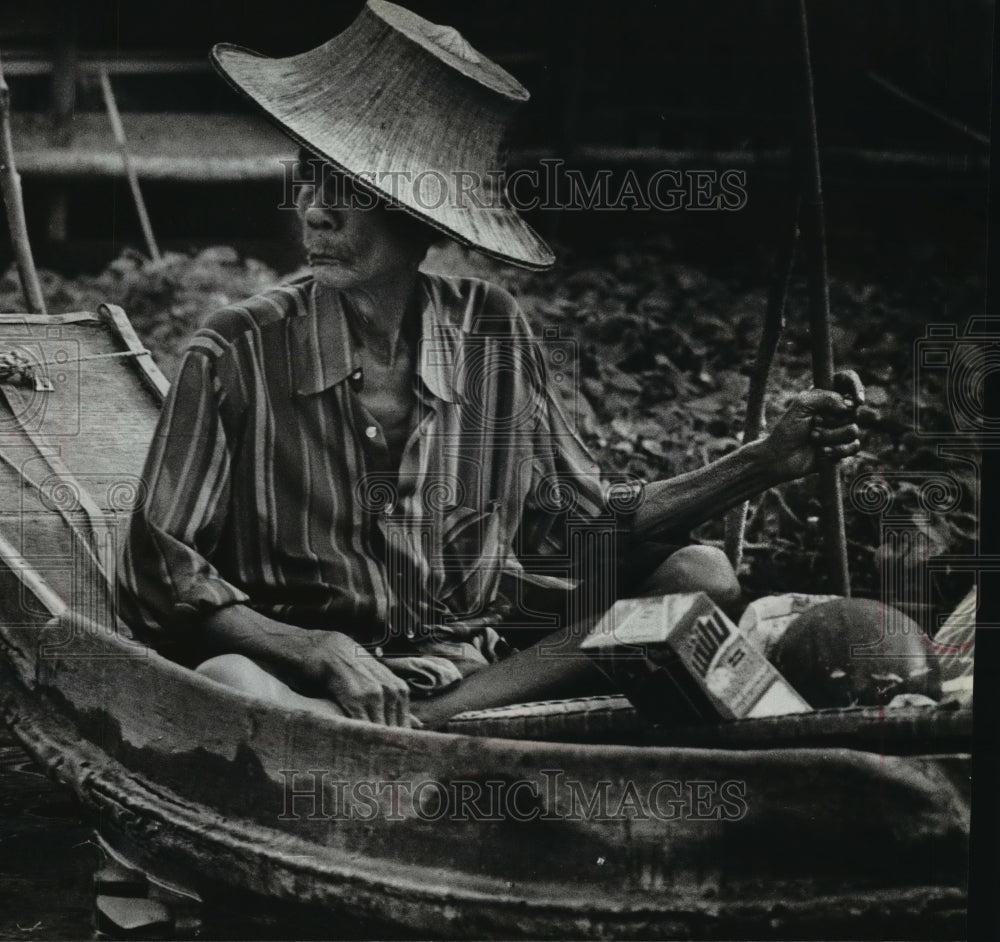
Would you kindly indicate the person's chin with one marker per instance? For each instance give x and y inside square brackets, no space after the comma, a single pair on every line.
[333,275]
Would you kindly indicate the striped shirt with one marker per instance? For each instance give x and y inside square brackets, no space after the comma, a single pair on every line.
[270,484]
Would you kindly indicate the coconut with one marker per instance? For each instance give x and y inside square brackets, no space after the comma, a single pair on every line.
[851,652]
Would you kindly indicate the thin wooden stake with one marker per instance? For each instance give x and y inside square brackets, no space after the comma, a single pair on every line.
[133,179]
[64,80]
[10,183]
[774,323]
[814,251]
[936,113]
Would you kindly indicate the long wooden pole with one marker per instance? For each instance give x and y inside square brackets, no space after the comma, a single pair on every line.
[133,178]
[850,163]
[813,229]
[10,183]
[774,323]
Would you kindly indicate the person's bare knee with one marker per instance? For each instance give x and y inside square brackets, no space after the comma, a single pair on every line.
[243,674]
[240,673]
[696,569]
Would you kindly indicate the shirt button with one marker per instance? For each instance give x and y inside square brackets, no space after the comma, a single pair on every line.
[378,652]
[371,431]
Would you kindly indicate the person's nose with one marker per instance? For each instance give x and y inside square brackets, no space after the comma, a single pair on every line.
[323,219]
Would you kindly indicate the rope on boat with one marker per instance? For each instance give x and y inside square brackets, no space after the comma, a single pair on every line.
[19,370]
[16,368]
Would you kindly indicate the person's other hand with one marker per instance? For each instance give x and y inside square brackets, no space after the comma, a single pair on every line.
[337,667]
[820,425]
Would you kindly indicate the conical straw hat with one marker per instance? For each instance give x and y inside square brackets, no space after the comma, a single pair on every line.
[412,112]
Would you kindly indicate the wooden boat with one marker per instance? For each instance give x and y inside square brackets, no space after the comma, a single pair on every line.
[565,819]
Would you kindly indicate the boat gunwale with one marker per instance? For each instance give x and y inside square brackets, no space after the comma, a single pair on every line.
[390,736]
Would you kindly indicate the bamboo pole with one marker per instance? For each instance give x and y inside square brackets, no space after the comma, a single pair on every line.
[774,323]
[79,163]
[64,77]
[10,183]
[814,252]
[133,179]
[87,164]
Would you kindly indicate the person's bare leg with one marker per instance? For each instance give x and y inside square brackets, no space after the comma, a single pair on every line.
[550,670]
[241,673]
[695,569]
[555,668]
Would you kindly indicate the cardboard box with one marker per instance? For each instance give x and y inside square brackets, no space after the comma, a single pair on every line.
[678,658]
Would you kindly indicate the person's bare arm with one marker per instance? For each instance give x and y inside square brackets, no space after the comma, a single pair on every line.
[689,499]
[314,663]
[819,425]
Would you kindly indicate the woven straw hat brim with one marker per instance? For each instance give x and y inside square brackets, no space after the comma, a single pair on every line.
[404,122]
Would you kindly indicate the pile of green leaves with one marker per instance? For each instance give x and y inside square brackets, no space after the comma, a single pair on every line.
[166,300]
[666,351]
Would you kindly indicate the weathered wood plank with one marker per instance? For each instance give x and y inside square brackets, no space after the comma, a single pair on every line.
[125,332]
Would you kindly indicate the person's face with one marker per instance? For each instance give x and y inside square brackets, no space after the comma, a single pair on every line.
[352,240]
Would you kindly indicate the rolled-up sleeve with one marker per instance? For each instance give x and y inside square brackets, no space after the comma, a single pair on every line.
[166,582]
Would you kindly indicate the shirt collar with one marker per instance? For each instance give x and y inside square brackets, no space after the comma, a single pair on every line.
[324,356]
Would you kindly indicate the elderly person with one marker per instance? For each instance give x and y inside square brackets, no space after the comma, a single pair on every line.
[363,480]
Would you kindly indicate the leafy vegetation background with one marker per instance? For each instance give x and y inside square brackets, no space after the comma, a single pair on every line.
[664,354]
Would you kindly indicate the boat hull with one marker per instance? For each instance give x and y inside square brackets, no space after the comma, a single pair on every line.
[224,791]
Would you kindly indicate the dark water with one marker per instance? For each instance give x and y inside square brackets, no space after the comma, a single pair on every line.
[48,858]
[47,854]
